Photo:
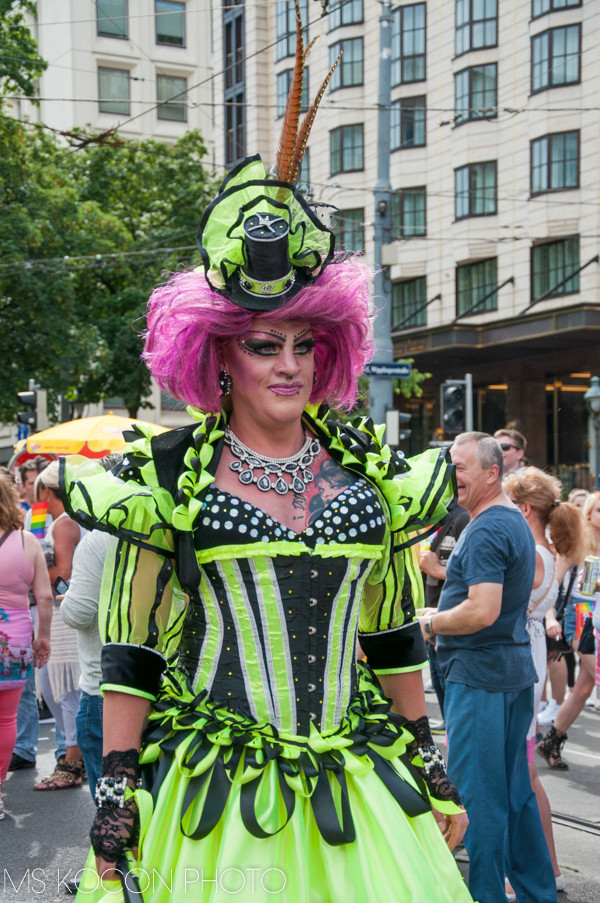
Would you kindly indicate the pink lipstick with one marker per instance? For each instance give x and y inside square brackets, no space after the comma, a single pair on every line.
[286,388]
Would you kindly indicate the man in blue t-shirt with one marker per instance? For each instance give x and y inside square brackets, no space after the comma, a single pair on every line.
[485,655]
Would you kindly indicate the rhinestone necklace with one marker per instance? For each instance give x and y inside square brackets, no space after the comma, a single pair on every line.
[294,466]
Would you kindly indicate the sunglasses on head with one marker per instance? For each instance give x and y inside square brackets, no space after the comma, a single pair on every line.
[505,446]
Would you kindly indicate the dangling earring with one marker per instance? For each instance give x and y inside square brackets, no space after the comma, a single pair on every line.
[314,377]
[225,382]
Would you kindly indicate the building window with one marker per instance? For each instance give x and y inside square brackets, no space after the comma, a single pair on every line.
[171,97]
[408,44]
[407,123]
[541,7]
[345,12]
[235,140]
[111,18]
[113,90]
[349,228]
[350,69]
[234,81]
[286,26]
[347,149]
[555,162]
[284,83]
[475,91]
[234,50]
[473,282]
[551,264]
[407,297]
[170,23]
[303,184]
[555,58]
[408,213]
[476,25]
[475,190]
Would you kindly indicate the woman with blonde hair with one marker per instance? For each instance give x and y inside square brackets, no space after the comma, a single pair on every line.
[550,748]
[22,566]
[537,494]
[59,682]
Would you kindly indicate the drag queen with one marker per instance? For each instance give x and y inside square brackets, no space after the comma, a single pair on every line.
[246,749]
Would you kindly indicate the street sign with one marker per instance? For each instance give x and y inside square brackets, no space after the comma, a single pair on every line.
[391,370]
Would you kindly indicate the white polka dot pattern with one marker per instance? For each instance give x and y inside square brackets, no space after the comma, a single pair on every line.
[354,515]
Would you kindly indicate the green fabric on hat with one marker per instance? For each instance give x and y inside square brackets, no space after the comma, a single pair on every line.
[221,233]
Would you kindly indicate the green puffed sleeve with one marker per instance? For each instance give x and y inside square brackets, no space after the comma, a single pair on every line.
[421,498]
[141,606]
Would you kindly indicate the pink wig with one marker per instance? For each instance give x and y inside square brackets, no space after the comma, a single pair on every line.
[187,321]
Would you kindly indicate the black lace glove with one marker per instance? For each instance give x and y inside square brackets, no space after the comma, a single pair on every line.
[433,770]
[116,825]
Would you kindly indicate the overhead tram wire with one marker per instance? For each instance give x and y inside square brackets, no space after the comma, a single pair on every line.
[328,104]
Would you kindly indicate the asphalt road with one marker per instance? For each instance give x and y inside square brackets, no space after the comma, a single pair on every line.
[49,831]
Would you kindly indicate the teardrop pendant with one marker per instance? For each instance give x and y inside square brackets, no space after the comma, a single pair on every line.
[281,487]
[298,485]
[264,483]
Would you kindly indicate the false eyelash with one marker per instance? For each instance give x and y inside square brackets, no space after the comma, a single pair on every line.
[259,348]
[309,344]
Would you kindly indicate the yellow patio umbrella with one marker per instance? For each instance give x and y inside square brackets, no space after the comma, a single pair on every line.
[92,437]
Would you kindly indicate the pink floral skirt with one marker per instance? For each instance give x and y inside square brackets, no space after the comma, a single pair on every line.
[16,654]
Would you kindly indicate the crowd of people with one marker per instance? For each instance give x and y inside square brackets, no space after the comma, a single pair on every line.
[508,607]
[44,628]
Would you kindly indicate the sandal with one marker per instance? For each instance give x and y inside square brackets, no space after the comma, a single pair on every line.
[67,774]
[551,747]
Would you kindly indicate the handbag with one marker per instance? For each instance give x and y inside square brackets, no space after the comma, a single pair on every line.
[558,647]
[587,643]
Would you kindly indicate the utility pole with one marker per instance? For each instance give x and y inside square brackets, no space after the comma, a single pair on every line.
[381,390]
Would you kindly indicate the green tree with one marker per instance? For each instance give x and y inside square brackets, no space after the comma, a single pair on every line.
[411,387]
[157,193]
[74,324]
[20,62]
[43,221]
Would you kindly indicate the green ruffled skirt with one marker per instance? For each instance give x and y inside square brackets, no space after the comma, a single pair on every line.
[231,807]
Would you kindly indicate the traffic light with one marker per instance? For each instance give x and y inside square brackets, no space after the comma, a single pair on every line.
[453,406]
[35,417]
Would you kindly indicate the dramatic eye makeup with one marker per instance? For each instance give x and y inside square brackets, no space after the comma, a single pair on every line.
[265,344]
[269,344]
[304,346]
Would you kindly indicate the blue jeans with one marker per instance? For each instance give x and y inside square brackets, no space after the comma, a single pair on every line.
[487,760]
[89,736]
[27,722]
[437,678]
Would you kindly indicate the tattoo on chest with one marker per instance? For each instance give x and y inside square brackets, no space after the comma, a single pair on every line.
[330,479]
[299,505]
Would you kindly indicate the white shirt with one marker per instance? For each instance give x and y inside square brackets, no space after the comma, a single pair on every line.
[79,608]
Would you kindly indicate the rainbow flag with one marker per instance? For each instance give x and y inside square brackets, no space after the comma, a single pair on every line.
[38,518]
[583,610]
